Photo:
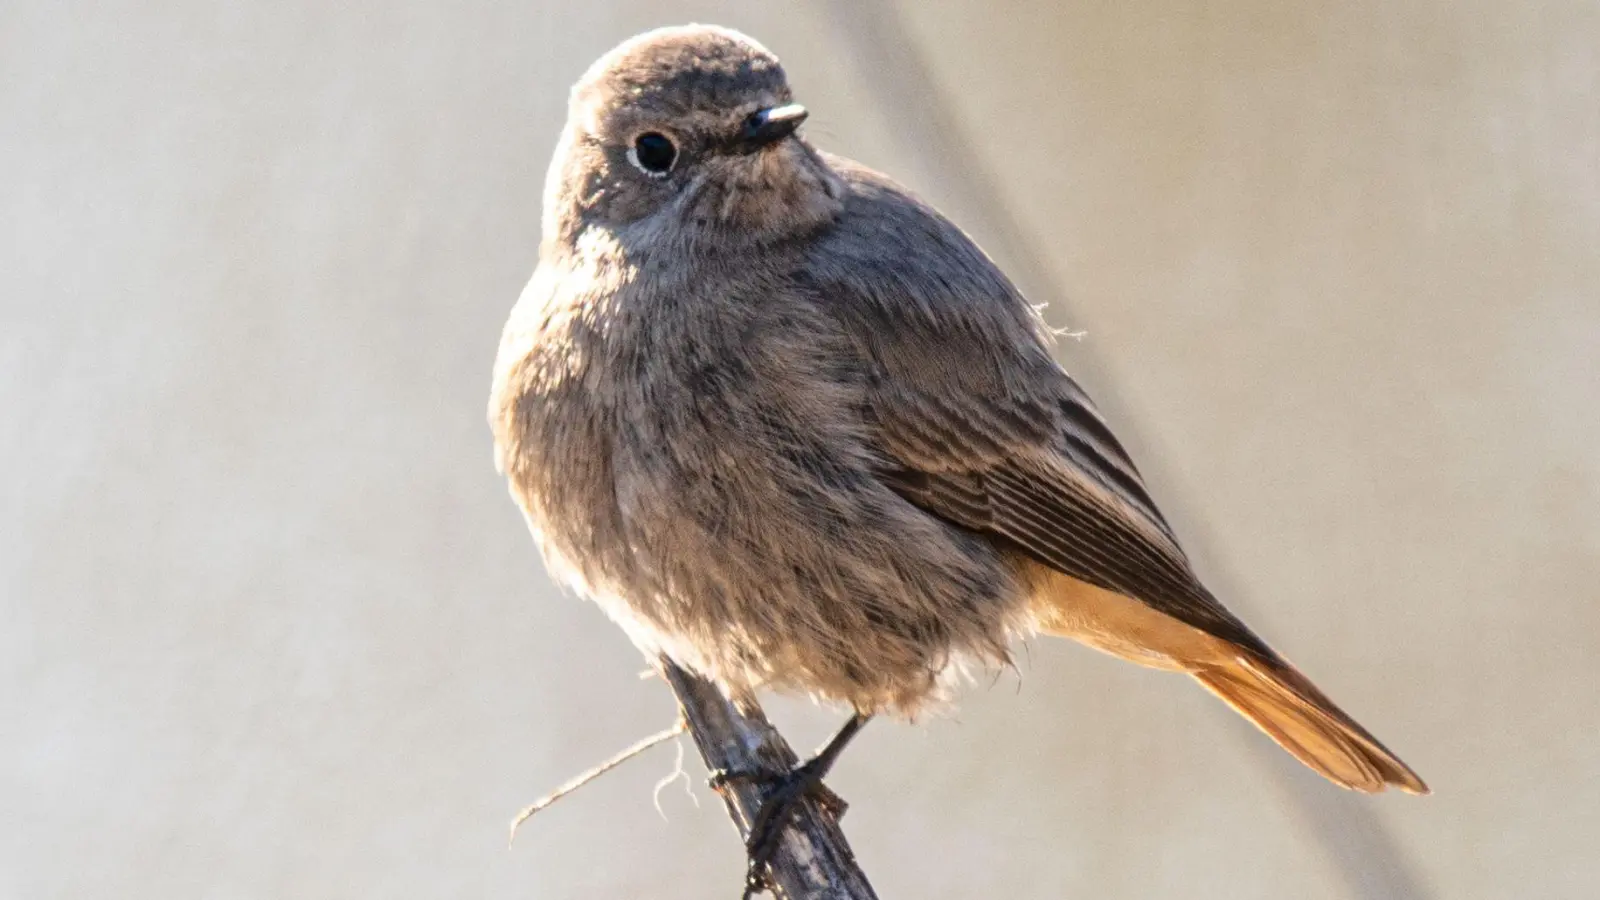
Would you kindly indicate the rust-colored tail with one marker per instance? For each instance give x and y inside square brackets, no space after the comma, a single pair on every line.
[1289,708]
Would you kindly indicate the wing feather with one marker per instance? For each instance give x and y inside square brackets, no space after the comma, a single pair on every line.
[977,423]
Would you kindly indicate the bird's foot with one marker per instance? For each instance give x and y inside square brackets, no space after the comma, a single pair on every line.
[834,804]
[782,796]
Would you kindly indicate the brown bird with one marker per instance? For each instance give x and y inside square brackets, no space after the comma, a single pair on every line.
[792,429]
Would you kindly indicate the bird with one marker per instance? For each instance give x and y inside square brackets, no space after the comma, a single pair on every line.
[793,430]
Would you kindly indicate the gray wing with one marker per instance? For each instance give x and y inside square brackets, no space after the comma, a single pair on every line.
[975,421]
[1068,500]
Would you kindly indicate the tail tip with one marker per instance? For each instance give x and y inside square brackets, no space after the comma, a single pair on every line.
[1410,782]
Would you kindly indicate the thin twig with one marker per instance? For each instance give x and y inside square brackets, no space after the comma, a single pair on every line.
[579,781]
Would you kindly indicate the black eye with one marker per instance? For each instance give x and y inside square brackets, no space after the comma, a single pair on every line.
[653,153]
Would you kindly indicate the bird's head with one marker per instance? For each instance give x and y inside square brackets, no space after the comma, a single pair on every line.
[687,135]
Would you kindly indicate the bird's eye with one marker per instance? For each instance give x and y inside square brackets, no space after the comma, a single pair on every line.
[653,153]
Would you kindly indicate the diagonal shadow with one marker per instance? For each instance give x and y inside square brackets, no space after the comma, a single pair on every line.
[1369,860]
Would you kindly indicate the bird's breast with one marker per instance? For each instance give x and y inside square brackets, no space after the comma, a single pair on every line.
[702,465]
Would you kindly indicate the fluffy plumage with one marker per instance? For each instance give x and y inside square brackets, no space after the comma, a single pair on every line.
[789,426]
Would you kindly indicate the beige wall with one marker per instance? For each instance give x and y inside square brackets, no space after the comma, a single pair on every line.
[271,627]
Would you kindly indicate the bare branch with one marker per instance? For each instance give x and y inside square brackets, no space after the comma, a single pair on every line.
[813,860]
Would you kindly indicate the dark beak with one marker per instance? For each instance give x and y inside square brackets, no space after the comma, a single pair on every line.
[768,126]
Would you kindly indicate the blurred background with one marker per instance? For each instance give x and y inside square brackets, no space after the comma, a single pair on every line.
[270,626]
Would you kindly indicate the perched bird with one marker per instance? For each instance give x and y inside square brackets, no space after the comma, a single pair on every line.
[792,429]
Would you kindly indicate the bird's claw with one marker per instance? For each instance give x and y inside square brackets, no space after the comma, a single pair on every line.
[779,804]
[719,779]
[782,797]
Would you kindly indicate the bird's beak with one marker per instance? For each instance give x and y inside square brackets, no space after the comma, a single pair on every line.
[768,126]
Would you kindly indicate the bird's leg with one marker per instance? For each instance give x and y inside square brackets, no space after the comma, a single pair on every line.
[787,792]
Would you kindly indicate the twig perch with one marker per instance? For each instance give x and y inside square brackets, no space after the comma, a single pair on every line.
[813,861]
